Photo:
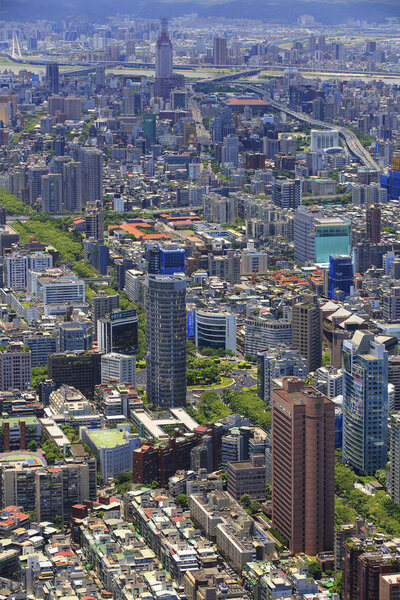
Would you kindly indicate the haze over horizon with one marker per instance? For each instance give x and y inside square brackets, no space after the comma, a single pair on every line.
[287,11]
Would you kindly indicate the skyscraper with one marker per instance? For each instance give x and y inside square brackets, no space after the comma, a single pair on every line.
[393,479]
[164,51]
[286,193]
[220,51]
[165,260]
[307,329]
[35,174]
[52,193]
[303,445]
[165,79]
[92,174]
[373,224]
[52,77]
[166,340]
[230,150]
[365,403]
[94,220]
[316,237]
[72,178]
[340,275]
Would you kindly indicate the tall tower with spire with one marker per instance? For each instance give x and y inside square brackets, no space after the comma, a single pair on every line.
[165,79]
[164,51]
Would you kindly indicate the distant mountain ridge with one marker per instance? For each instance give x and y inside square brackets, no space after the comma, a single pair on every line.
[328,11]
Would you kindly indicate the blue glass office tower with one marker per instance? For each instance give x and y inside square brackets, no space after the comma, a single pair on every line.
[164,260]
[340,275]
[391,182]
[365,403]
[172,261]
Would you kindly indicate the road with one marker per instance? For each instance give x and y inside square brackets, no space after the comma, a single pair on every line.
[351,140]
[203,136]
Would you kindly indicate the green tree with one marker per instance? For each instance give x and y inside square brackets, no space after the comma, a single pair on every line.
[224,477]
[57,522]
[326,358]
[182,501]
[314,569]
[338,584]
[245,501]
[38,373]
[32,446]
[254,507]
[123,477]
[381,477]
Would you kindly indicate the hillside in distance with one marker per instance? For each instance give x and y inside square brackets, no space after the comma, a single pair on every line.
[328,11]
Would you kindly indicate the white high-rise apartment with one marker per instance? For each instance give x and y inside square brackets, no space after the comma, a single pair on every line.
[118,366]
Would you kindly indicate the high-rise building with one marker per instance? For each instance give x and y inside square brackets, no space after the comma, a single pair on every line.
[373,224]
[389,587]
[215,329]
[3,215]
[100,77]
[118,332]
[230,150]
[303,446]
[165,79]
[316,238]
[165,260]
[16,271]
[15,367]
[391,305]
[76,336]
[103,304]
[320,140]
[340,275]
[220,51]
[78,369]
[50,490]
[92,174]
[277,363]
[166,340]
[120,367]
[72,184]
[365,566]
[365,403]
[149,126]
[286,193]
[52,193]
[247,477]
[307,329]
[94,220]
[394,378]
[52,77]
[225,267]
[393,474]
[35,174]
[73,108]
[164,52]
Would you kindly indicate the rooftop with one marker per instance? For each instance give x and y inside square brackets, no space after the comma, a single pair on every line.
[106,438]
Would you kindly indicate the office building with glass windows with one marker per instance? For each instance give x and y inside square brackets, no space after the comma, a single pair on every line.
[365,403]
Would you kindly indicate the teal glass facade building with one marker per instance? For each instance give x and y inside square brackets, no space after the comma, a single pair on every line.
[331,236]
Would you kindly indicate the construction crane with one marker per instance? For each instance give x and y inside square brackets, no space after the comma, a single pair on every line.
[253,279]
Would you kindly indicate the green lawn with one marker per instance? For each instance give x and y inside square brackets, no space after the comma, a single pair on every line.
[225,382]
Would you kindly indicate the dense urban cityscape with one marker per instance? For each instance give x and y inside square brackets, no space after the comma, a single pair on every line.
[200,307]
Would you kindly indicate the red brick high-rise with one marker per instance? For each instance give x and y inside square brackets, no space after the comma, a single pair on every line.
[303,446]
[373,224]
